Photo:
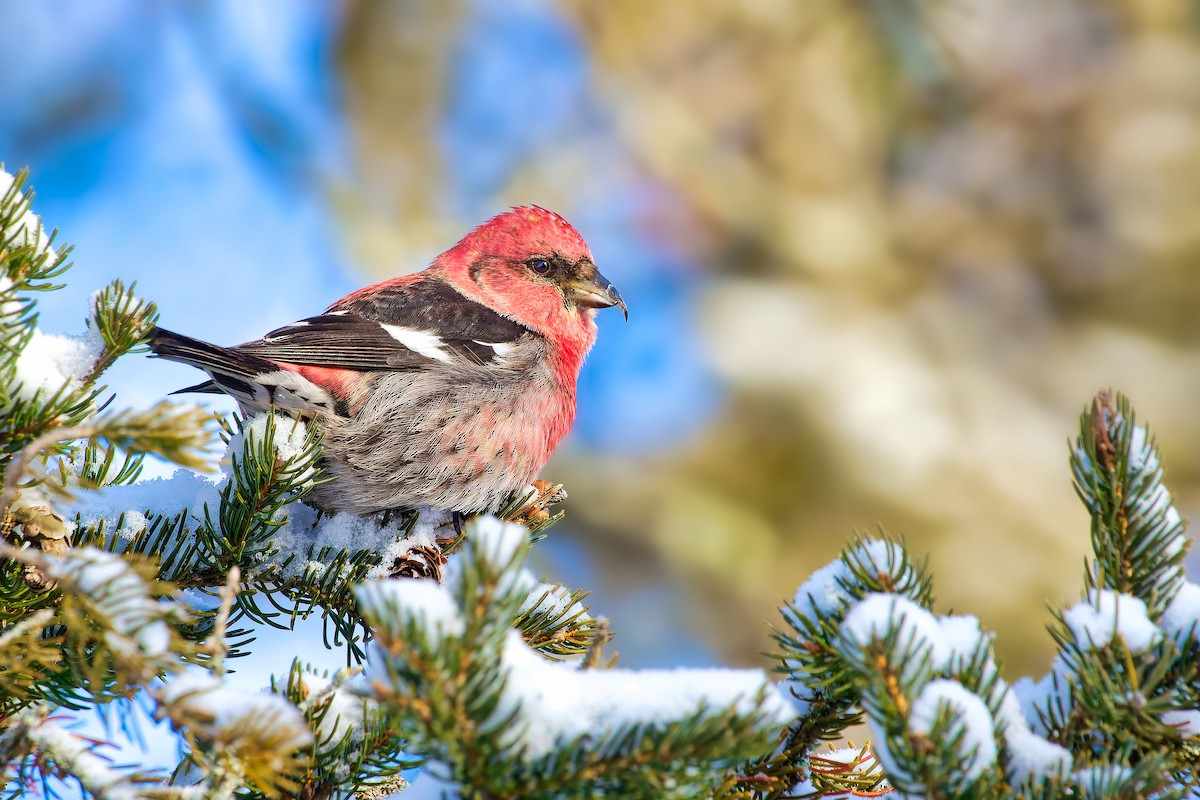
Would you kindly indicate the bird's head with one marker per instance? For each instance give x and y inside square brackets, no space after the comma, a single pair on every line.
[531,265]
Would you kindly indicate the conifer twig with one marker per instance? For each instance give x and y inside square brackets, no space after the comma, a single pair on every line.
[229,593]
[20,463]
[591,659]
[35,621]
[1104,410]
[75,755]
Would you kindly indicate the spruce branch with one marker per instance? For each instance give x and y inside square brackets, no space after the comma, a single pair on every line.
[96,466]
[236,737]
[294,561]
[219,648]
[179,432]
[43,389]
[17,322]
[260,483]
[448,664]
[852,770]
[933,734]
[36,747]
[555,622]
[591,659]
[497,681]
[1122,681]
[356,750]
[1137,535]
[166,537]
[52,750]
[20,465]
[817,674]
[122,320]
[29,416]
[531,508]
[27,654]
[120,625]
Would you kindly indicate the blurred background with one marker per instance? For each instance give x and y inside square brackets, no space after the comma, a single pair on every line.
[878,253]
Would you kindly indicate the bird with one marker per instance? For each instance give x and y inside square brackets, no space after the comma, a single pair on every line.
[447,388]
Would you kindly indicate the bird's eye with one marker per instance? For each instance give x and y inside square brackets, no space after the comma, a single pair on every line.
[539,265]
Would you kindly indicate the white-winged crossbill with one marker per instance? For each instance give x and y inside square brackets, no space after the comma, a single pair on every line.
[449,387]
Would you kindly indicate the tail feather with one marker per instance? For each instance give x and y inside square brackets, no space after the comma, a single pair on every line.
[254,382]
[204,387]
[233,373]
[208,357]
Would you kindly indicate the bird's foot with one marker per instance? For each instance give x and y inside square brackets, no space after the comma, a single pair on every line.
[533,508]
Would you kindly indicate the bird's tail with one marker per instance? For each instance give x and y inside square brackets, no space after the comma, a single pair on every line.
[232,372]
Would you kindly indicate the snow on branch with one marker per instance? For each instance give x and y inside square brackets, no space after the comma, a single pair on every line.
[19,226]
[1182,615]
[939,712]
[1137,534]
[521,707]
[257,736]
[945,708]
[1118,706]
[50,363]
[116,621]
[108,587]
[57,751]
[1107,615]
[553,705]
[356,749]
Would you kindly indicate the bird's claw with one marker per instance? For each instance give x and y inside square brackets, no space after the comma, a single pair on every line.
[534,508]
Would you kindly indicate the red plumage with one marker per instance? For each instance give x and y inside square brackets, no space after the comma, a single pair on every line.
[450,387]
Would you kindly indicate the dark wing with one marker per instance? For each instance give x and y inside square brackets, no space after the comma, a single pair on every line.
[403,326]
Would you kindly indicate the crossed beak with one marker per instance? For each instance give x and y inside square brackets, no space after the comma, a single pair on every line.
[596,292]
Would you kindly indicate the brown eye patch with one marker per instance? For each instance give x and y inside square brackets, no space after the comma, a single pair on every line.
[552,267]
